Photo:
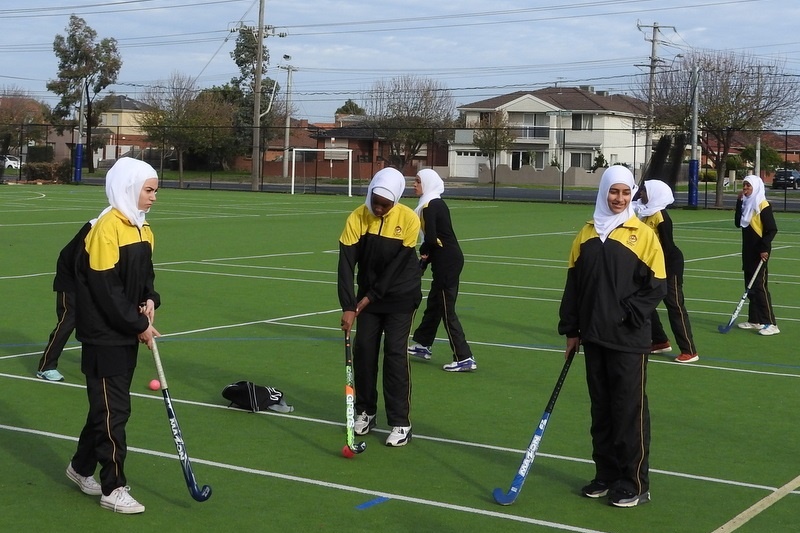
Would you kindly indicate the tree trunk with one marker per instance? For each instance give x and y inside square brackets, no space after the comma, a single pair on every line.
[180,168]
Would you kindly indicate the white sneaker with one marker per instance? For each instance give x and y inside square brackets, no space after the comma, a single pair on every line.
[399,436]
[87,484]
[363,423]
[420,351]
[466,365]
[750,325]
[769,329]
[120,501]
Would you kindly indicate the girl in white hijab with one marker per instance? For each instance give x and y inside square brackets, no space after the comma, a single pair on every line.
[605,219]
[751,204]
[651,208]
[432,187]
[124,183]
[440,248]
[757,222]
[387,183]
[377,248]
[656,197]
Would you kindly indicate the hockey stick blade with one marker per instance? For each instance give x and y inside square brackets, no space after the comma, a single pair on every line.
[727,327]
[507,498]
[196,492]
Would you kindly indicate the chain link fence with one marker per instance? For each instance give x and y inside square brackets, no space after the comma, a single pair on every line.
[541,164]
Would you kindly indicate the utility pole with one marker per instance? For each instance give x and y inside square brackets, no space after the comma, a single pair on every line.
[256,153]
[289,69]
[260,32]
[651,92]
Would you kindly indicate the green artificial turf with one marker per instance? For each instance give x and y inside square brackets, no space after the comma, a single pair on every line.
[248,282]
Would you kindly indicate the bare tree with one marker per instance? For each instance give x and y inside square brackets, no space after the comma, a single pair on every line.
[407,112]
[180,117]
[492,136]
[736,93]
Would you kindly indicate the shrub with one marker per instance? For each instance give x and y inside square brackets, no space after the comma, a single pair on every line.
[61,172]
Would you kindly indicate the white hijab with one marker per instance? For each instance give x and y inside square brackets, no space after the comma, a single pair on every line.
[432,187]
[388,183]
[605,220]
[659,196]
[751,205]
[124,182]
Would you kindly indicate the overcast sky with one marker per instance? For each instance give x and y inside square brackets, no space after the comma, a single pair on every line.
[478,49]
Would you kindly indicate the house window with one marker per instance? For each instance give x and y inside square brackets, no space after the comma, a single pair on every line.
[582,122]
[113,120]
[521,159]
[532,126]
[581,160]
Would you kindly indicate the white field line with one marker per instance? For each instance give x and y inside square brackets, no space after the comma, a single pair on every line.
[417,436]
[281,321]
[333,486]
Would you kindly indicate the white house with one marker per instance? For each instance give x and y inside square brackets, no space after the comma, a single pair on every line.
[565,125]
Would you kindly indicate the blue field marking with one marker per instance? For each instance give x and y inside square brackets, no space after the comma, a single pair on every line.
[376,501]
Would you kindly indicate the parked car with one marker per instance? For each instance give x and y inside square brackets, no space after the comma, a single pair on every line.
[783,179]
[9,161]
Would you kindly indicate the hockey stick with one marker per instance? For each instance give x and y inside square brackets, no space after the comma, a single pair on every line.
[727,327]
[351,447]
[507,498]
[188,474]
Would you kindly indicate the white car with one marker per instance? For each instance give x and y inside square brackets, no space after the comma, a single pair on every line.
[9,161]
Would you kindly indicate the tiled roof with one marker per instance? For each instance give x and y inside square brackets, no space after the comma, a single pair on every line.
[119,102]
[567,98]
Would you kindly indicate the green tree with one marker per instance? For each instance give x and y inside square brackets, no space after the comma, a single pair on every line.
[599,161]
[770,158]
[17,110]
[241,90]
[492,136]
[407,113]
[350,108]
[85,68]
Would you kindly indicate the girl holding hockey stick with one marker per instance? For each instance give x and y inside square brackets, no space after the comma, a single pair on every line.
[754,215]
[116,302]
[378,248]
[616,278]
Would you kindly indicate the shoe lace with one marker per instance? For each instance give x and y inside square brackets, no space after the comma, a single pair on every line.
[124,497]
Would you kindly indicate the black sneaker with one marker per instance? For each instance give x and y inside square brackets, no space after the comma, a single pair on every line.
[624,498]
[596,489]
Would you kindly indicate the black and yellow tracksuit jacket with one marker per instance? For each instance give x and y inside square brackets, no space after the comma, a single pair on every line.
[440,243]
[114,274]
[613,286]
[756,237]
[388,268]
[661,223]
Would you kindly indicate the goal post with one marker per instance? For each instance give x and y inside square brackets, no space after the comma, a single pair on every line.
[347,151]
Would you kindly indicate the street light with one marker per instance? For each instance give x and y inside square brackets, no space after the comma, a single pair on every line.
[289,69]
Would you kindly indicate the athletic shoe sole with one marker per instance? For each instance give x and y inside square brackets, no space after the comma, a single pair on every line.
[662,350]
[461,366]
[76,478]
[632,501]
